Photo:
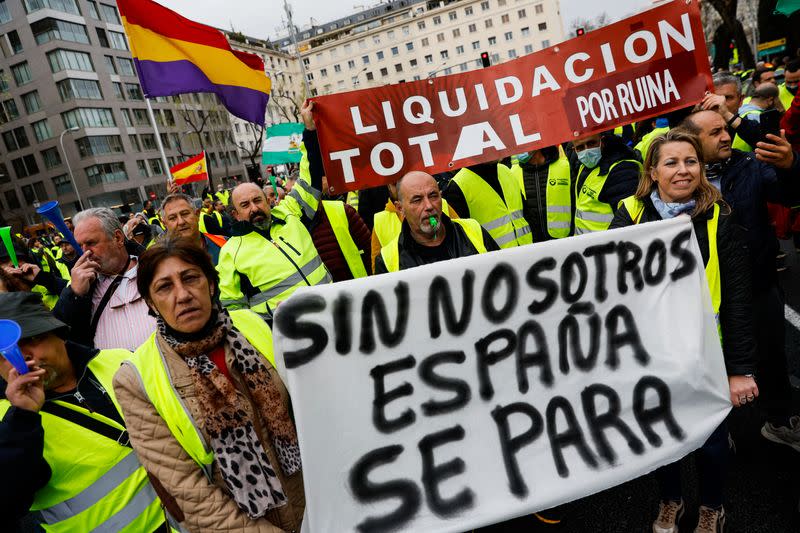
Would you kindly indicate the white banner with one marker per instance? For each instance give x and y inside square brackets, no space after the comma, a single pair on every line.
[465,393]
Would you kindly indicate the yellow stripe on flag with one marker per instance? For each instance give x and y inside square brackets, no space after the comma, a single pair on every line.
[197,168]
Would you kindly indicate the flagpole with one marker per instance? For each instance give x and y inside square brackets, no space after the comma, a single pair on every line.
[158,139]
[296,51]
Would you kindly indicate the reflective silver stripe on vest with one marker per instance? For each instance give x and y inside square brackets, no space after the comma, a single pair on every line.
[524,230]
[594,217]
[290,282]
[517,215]
[125,516]
[240,302]
[559,209]
[558,225]
[581,231]
[505,239]
[94,492]
[308,211]
[496,223]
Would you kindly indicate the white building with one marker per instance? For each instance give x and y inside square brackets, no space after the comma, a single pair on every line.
[408,40]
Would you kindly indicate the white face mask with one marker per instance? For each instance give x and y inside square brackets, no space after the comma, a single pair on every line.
[590,157]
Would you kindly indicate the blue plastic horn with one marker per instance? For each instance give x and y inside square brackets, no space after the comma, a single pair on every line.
[9,336]
[53,213]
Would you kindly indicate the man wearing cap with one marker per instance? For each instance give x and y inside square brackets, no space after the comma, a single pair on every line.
[64,451]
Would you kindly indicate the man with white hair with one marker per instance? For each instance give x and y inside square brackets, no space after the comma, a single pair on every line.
[102,304]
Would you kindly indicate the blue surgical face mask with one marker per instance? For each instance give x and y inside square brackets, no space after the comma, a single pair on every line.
[524,157]
[590,157]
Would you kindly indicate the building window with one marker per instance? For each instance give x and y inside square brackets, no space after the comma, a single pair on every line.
[149,141]
[395,51]
[25,166]
[528,48]
[463,67]
[444,54]
[91,117]
[323,73]
[484,6]
[406,30]
[5,13]
[468,10]
[351,64]
[15,139]
[51,158]
[110,66]
[421,25]
[539,9]
[452,15]
[142,166]
[118,94]
[155,166]
[424,42]
[521,13]
[65,6]
[413,63]
[93,9]
[460,49]
[526,31]
[140,117]
[457,32]
[337,68]
[362,44]
[49,29]
[440,37]
[370,76]
[70,60]
[126,66]
[472,28]
[488,23]
[398,67]
[509,36]
[109,14]
[99,145]
[14,42]
[390,35]
[376,39]
[542,26]
[9,111]
[384,72]
[41,130]
[72,89]
[118,41]
[333,52]
[11,198]
[379,55]
[22,74]
[492,41]
[504,19]
[495,58]
[546,43]
[428,59]
[134,143]
[365,59]
[512,54]
[62,184]
[437,20]
[106,173]
[409,46]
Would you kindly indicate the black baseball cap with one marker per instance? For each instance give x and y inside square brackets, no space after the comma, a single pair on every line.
[27,310]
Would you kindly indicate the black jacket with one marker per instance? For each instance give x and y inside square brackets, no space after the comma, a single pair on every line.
[747,185]
[736,312]
[534,201]
[456,243]
[24,468]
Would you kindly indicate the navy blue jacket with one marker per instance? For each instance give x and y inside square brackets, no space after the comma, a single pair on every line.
[747,185]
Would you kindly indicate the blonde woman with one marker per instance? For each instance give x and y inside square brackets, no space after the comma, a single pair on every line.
[672,183]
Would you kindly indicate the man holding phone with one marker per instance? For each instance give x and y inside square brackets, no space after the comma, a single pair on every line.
[763,109]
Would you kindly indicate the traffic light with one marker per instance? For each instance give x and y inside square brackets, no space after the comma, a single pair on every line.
[485,59]
[580,32]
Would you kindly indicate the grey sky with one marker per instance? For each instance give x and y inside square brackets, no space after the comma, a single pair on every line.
[264,18]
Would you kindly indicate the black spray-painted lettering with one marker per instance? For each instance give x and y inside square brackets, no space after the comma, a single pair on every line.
[599,253]
[501,275]
[440,297]
[383,397]
[629,256]
[373,309]
[571,436]
[460,388]
[536,282]
[573,268]
[511,445]
[569,339]
[487,357]
[369,492]
[628,336]
[599,423]
[655,262]
[343,323]
[680,250]
[538,355]
[289,323]
[434,474]
[647,416]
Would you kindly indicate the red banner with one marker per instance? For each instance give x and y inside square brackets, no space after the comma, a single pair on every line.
[637,68]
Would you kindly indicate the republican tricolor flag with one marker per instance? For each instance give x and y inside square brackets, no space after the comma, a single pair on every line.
[175,55]
[191,170]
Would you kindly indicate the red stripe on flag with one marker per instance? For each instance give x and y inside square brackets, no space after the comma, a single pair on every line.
[191,179]
[188,162]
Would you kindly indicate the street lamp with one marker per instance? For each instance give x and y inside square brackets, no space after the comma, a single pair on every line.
[66,160]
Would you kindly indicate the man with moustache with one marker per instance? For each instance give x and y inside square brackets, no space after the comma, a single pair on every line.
[270,253]
[180,218]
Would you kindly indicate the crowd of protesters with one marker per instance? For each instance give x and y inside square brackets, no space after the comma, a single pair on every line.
[152,402]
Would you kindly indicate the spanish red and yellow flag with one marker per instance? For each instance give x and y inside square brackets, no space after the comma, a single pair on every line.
[191,170]
[175,55]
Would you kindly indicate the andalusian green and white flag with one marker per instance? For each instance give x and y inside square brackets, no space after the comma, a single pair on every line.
[282,144]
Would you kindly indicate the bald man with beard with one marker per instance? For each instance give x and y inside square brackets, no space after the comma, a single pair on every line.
[270,253]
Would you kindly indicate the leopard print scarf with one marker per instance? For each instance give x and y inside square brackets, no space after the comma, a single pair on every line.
[238,452]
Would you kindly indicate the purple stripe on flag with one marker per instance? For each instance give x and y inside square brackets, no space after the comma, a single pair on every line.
[177,77]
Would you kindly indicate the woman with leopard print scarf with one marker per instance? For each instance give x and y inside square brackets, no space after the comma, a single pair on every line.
[206,411]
